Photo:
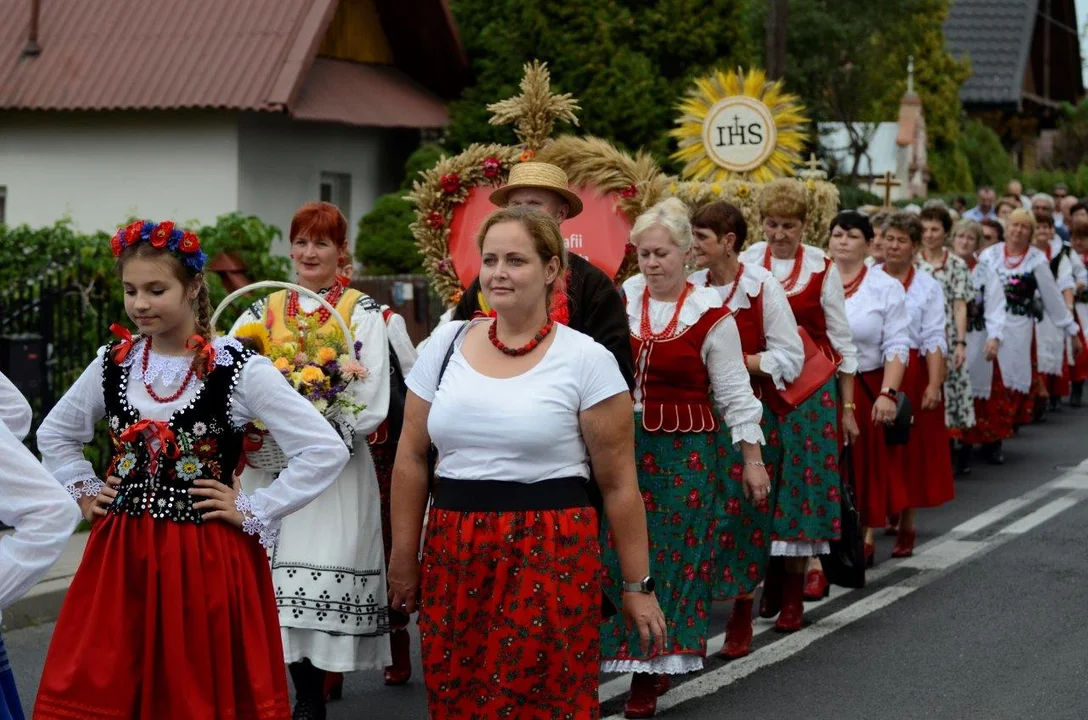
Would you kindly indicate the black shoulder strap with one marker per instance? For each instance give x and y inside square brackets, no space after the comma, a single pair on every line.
[449,354]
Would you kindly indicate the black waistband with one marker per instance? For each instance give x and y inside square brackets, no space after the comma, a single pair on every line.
[501,496]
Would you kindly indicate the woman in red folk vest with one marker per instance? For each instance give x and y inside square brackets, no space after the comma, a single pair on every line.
[773,355]
[807,514]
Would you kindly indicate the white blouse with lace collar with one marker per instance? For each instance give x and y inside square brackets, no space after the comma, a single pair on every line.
[721,352]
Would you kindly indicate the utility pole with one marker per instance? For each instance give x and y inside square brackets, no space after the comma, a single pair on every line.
[777,22]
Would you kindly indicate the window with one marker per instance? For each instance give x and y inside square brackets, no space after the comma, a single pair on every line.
[3,204]
[335,188]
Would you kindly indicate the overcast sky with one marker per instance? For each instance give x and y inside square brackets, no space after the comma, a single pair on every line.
[1082,21]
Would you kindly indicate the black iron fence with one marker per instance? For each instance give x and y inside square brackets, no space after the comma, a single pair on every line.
[50,328]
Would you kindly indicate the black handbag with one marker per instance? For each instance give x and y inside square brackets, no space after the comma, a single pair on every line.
[845,564]
[898,431]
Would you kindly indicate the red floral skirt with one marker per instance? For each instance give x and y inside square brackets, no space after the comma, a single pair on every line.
[878,469]
[927,462]
[510,613]
[994,415]
[167,621]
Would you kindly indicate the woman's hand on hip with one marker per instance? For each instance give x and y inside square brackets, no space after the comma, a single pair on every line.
[641,611]
[94,507]
[221,501]
[403,579]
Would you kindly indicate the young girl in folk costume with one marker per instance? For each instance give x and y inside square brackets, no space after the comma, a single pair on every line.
[328,568]
[807,513]
[773,354]
[171,613]
[39,510]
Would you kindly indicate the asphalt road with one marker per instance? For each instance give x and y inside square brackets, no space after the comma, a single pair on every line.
[985,622]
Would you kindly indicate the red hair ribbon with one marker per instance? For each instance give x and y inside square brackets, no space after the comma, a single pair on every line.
[122,349]
[204,351]
[149,431]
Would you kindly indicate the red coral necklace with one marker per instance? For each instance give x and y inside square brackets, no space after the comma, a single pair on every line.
[493,336]
[331,297]
[645,330]
[795,273]
[147,386]
[733,290]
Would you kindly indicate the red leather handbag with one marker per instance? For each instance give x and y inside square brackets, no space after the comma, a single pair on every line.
[817,370]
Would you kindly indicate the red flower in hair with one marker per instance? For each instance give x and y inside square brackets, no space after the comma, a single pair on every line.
[629,192]
[450,183]
[189,243]
[117,245]
[132,231]
[629,249]
[161,234]
[492,167]
[436,220]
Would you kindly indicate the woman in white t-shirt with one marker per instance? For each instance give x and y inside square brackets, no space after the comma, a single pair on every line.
[510,582]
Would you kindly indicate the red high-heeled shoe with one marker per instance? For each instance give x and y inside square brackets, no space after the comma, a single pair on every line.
[793,604]
[816,585]
[904,544]
[770,600]
[334,686]
[642,703]
[400,672]
[738,631]
[870,554]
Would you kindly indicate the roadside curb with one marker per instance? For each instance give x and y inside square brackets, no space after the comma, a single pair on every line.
[41,605]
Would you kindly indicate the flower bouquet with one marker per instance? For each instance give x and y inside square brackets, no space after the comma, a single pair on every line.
[323,368]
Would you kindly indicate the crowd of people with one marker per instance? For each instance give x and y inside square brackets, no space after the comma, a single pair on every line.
[560,482]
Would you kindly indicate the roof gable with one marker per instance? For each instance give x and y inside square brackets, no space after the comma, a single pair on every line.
[996,35]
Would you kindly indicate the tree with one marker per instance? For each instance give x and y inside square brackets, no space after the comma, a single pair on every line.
[627,62]
[1071,145]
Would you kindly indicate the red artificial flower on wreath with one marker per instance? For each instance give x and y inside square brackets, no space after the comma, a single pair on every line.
[436,220]
[492,167]
[629,249]
[189,243]
[161,234]
[450,183]
[117,245]
[133,230]
[629,192]
[528,155]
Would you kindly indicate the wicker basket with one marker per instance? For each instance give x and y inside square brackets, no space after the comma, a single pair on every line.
[262,452]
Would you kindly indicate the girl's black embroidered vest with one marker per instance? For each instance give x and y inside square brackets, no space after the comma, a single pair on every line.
[208,444]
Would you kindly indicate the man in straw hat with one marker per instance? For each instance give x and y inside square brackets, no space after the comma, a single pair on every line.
[594,306]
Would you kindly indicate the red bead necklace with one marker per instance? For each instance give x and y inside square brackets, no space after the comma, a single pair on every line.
[851,288]
[795,274]
[332,297]
[645,330]
[909,279]
[733,290]
[493,336]
[147,386]
[1020,260]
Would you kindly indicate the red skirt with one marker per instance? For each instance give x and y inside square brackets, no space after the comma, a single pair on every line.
[1059,385]
[1079,370]
[878,469]
[927,462]
[509,617]
[167,621]
[994,416]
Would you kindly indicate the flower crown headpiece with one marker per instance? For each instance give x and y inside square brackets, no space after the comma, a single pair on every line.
[184,244]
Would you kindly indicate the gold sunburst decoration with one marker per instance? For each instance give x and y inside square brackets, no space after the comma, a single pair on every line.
[739,126]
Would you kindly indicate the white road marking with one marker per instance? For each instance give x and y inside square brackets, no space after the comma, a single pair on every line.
[932,560]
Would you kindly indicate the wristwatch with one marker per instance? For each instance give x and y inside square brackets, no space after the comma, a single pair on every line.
[890,393]
[644,586]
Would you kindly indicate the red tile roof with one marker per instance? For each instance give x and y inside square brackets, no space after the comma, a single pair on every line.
[225,54]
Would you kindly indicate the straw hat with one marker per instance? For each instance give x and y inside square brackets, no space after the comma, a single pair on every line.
[538,175]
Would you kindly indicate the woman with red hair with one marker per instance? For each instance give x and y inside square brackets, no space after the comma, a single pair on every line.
[328,568]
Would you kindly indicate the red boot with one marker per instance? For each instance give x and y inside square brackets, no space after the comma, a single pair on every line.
[401,670]
[738,631]
[642,702]
[816,585]
[770,601]
[793,604]
[334,686]
[904,544]
[870,554]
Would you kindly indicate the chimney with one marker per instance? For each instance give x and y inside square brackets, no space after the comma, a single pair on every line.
[32,49]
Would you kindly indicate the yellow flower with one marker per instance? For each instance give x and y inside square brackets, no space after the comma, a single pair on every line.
[283,365]
[716,189]
[743,191]
[257,335]
[325,355]
[312,375]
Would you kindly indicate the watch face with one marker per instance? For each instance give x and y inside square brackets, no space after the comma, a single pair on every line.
[649,584]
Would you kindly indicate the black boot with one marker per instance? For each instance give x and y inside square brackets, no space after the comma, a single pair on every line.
[991,452]
[963,460]
[1055,403]
[309,684]
[1076,399]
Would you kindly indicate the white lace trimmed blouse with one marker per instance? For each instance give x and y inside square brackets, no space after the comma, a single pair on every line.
[721,352]
[832,298]
[879,321]
[925,306]
[785,353]
[315,453]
